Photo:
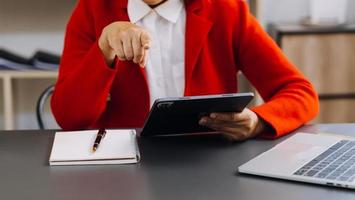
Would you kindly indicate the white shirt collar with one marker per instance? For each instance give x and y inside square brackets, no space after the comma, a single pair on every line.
[170,10]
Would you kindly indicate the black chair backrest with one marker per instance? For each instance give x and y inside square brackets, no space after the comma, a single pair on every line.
[41,104]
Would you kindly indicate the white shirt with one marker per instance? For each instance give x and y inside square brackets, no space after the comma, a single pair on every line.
[166,58]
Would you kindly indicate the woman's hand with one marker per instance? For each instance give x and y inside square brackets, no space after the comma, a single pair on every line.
[235,126]
[125,40]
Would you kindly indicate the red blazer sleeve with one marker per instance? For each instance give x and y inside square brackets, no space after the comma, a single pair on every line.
[84,78]
[290,99]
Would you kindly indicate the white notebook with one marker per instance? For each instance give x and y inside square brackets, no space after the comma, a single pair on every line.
[75,148]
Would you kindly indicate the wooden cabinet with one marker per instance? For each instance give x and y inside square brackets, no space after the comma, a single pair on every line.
[326,55]
[19,92]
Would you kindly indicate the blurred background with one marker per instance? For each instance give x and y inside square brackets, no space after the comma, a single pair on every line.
[318,36]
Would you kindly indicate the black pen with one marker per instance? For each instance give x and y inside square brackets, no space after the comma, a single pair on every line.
[101,134]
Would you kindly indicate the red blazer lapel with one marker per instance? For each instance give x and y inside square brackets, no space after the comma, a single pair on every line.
[122,5]
[198,26]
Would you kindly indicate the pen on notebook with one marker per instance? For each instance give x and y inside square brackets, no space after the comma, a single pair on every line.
[101,134]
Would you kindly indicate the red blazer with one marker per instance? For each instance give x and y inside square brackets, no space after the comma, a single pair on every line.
[221,39]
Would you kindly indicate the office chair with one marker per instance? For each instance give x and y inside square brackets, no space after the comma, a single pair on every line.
[41,104]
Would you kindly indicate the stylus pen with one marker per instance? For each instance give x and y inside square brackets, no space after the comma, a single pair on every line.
[101,134]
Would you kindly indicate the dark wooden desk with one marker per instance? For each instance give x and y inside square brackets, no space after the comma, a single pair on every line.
[171,168]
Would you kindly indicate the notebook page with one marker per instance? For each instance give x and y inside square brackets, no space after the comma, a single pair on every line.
[77,145]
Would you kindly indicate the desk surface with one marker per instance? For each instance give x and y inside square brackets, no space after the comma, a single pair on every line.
[171,168]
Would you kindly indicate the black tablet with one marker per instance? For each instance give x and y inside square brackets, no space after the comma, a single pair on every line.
[181,115]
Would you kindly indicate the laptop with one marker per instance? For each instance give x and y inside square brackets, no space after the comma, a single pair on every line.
[313,158]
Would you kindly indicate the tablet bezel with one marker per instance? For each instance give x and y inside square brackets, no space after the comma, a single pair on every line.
[174,116]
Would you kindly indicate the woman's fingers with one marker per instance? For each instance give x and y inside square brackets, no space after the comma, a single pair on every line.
[125,40]
[143,61]
[117,46]
[127,46]
[207,121]
[235,126]
[231,133]
[231,116]
[137,48]
[145,42]
[135,45]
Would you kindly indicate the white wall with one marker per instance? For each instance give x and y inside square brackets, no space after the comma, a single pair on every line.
[26,43]
[26,26]
[292,10]
[351,11]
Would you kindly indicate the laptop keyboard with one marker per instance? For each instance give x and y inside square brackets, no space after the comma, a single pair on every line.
[336,163]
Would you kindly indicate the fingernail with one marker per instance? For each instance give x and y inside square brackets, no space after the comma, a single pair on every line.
[202,122]
[213,115]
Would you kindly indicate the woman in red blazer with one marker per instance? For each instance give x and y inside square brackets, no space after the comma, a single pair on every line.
[100,85]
